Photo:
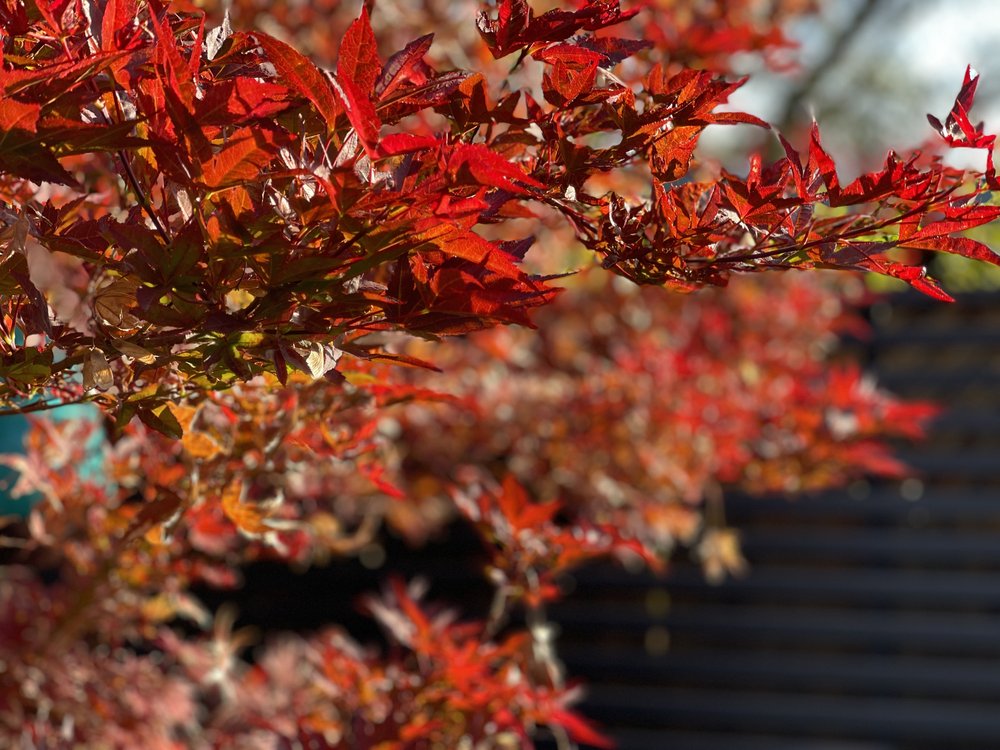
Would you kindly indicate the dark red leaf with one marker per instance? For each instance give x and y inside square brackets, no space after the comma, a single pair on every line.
[959,132]
[611,49]
[179,79]
[517,28]
[399,67]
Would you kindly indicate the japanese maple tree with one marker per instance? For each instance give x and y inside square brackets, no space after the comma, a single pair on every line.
[249,262]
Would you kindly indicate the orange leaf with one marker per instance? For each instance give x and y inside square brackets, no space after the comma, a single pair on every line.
[201,445]
[184,414]
[248,518]
[15,115]
[241,160]
[462,243]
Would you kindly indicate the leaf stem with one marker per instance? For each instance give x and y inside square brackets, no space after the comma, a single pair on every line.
[134,182]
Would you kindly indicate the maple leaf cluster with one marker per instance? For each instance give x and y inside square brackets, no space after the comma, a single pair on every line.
[123,549]
[633,409]
[248,261]
[264,211]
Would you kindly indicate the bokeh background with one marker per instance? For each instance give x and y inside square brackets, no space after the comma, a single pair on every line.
[865,618]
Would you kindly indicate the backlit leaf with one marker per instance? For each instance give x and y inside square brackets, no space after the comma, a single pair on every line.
[302,76]
[249,518]
[97,371]
[242,159]
[136,352]
[358,57]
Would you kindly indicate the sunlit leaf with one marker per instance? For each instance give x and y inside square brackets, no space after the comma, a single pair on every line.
[97,372]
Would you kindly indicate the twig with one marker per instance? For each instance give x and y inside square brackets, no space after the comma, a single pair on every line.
[40,406]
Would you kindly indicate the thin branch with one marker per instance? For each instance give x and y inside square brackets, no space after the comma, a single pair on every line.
[41,406]
[134,182]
